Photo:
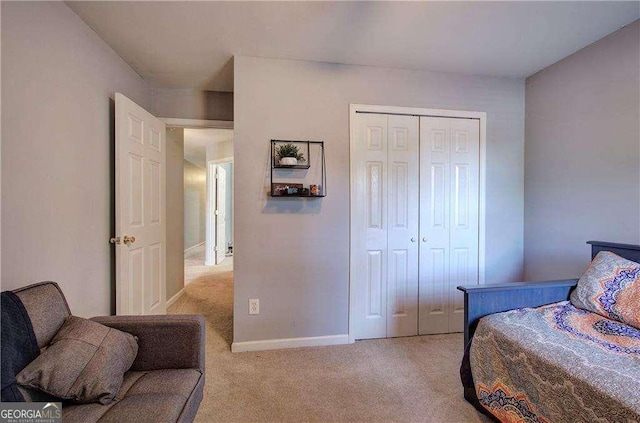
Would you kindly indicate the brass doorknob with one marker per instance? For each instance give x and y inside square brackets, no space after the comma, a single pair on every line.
[128,239]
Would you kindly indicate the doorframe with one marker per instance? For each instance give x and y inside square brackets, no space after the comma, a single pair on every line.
[413,111]
[197,123]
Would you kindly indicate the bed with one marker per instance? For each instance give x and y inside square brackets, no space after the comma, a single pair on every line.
[532,355]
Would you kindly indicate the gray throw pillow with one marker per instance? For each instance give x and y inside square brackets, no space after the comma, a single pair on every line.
[85,362]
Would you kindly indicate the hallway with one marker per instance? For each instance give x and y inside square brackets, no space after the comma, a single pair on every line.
[208,291]
[194,268]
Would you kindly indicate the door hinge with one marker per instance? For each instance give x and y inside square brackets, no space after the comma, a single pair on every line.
[215,249]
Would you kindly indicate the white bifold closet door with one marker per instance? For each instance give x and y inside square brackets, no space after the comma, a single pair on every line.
[386,226]
[414,223]
[449,185]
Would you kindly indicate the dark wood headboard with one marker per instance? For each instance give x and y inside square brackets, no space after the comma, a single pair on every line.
[481,300]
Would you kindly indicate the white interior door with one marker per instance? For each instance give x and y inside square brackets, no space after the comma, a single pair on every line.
[385,225]
[210,215]
[402,226]
[220,213]
[434,223]
[369,226]
[464,215]
[140,210]
[449,199]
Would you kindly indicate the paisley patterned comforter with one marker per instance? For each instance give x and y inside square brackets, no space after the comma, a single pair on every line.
[556,363]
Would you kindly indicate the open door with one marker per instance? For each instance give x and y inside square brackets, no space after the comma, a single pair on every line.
[221,217]
[140,210]
[216,221]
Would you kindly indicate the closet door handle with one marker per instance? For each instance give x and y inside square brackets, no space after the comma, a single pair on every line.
[413,240]
[424,239]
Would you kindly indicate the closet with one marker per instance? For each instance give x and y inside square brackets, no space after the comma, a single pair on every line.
[414,222]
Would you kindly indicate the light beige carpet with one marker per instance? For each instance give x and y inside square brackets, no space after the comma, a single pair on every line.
[412,379]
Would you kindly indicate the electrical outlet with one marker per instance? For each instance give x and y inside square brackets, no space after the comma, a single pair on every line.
[254,306]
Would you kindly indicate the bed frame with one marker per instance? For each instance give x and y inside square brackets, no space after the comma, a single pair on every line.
[481,300]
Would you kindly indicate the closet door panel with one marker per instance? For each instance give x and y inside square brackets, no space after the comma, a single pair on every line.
[370,227]
[435,136]
[465,167]
[435,291]
[402,227]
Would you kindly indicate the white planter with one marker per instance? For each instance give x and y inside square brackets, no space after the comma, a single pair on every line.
[288,161]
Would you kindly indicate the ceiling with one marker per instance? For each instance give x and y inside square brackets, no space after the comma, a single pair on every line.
[196,142]
[190,44]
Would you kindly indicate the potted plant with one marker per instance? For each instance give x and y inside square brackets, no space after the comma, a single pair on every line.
[289,154]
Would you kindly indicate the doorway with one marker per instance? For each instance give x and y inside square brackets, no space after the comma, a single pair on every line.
[189,279]
[208,202]
[417,218]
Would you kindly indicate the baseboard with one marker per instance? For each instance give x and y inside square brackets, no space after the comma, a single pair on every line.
[194,247]
[173,299]
[276,344]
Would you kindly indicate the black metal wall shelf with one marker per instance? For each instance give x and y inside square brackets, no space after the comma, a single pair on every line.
[306,186]
[298,195]
[291,166]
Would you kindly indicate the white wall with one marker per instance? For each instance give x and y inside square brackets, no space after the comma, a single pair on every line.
[582,174]
[293,254]
[192,104]
[219,150]
[195,204]
[175,211]
[58,78]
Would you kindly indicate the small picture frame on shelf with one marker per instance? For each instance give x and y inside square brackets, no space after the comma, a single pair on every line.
[281,189]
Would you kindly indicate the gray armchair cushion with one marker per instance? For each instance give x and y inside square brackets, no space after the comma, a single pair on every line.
[156,396]
[47,309]
[85,362]
[164,342]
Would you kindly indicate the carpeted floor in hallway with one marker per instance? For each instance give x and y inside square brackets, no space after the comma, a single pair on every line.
[413,379]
